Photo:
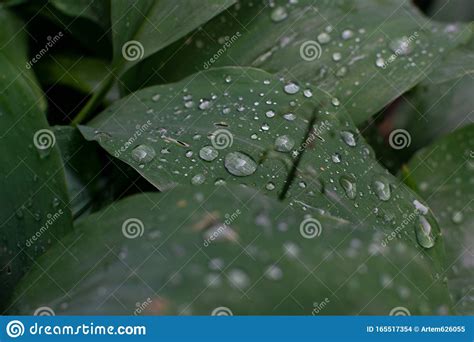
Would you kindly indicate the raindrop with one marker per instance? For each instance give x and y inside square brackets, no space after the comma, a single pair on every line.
[289,116]
[348,138]
[198,179]
[270,186]
[143,154]
[380,62]
[270,114]
[273,272]
[457,217]
[208,153]
[336,56]
[401,46]
[205,104]
[335,101]
[291,88]
[347,34]
[308,93]
[239,279]
[239,164]
[336,158]
[284,143]
[279,14]
[324,38]
[382,189]
[424,233]
[349,186]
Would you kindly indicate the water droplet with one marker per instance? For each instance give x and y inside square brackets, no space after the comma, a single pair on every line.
[335,101]
[198,179]
[239,279]
[424,233]
[336,56]
[457,217]
[349,186]
[336,158]
[380,62]
[279,14]
[348,138]
[324,38]
[265,127]
[347,34]
[421,208]
[239,164]
[274,272]
[401,46]
[156,97]
[205,104]
[270,186]
[143,154]
[291,88]
[219,181]
[382,189]
[284,143]
[270,114]
[208,153]
[308,93]
[289,116]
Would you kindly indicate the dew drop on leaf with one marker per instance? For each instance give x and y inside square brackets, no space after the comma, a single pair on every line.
[143,154]
[239,164]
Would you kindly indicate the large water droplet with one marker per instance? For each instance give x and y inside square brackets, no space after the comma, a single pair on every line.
[324,38]
[349,186]
[291,88]
[348,138]
[424,233]
[284,143]
[279,14]
[143,154]
[401,46]
[198,179]
[382,189]
[239,164]
[208,153]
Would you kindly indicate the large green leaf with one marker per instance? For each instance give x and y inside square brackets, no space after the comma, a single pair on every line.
[34,204]
[344,41]
[85,74]
[96,10]
[443,173]
[141,28]
[198,250]
[235,111]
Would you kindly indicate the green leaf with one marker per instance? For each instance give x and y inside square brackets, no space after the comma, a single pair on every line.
[195,250]
[83,169]
[141,28]
[85,75]
[34,205]
[443,173]
[441,103]
[97,11]
[348,37]
[154,131]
